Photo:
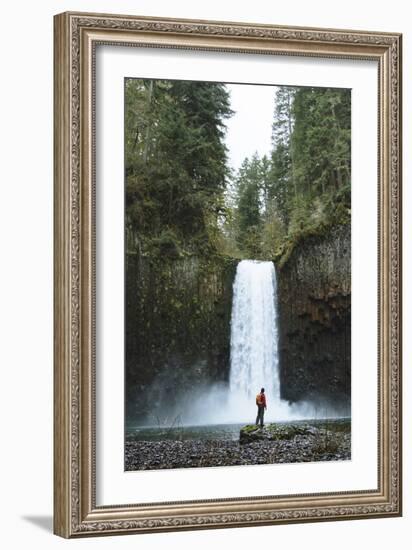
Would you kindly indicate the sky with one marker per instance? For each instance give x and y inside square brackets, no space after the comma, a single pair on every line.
[250,128]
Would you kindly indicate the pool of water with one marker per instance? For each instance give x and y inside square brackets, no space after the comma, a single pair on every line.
[205,432]
[156,433]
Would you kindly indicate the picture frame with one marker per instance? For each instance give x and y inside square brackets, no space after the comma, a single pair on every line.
[76,510]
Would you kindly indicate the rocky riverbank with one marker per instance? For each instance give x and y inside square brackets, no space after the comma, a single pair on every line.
[270,445]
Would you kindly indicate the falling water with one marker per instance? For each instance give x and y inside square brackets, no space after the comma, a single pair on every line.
[254,358]
[254,335]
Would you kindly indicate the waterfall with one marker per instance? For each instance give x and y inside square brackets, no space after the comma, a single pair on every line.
[254,334]
[254,360]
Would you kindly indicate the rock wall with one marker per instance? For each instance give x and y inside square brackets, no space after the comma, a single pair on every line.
[177,330]
[314,297]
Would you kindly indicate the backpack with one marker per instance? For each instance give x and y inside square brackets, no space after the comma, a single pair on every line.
[259,400]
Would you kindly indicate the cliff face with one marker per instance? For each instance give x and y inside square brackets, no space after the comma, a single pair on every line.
[314,300]
[177,330]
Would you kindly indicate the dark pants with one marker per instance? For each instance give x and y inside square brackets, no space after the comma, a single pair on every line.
[261,412]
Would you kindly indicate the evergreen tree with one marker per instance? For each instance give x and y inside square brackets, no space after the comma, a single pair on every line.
[175,162]
[283,185]
[310,161]
[321,140]
[250,203]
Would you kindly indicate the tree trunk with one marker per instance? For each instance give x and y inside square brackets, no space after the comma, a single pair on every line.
[147,134]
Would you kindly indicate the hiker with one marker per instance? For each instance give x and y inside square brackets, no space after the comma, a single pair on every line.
[261,404]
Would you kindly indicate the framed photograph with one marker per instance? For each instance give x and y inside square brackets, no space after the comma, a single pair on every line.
[227,274]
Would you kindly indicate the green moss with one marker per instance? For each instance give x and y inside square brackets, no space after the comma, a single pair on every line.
[298,237]
[249,428]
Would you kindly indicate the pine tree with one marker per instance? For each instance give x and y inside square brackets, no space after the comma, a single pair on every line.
[176,167]
[283,185]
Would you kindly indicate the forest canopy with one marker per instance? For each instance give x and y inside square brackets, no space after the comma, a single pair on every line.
[182,198]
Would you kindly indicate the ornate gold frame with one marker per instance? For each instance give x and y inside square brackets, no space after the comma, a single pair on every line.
[75,38]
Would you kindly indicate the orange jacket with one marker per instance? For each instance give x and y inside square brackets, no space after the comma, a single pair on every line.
[261,400]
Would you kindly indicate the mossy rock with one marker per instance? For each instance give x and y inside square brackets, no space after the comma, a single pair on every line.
[275,432]
[249,428]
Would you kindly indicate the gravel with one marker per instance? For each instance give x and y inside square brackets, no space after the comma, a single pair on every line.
[155,455]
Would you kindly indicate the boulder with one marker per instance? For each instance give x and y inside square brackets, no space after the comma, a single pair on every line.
[275,432]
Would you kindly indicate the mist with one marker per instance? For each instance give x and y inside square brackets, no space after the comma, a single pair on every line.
[216,404]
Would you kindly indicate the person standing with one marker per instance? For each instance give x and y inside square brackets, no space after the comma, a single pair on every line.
[261,404]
